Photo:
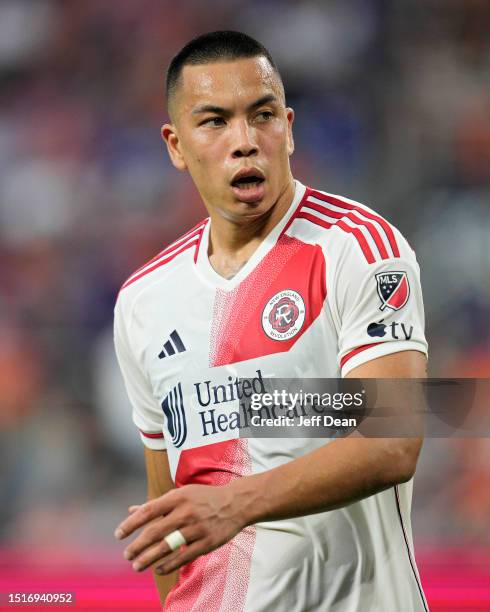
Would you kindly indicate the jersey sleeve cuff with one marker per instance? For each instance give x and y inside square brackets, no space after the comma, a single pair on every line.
[153,440]
[366,352]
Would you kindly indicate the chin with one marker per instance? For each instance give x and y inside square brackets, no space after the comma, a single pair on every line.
[241,211]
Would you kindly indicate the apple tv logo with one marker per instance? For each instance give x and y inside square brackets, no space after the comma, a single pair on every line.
[378,330]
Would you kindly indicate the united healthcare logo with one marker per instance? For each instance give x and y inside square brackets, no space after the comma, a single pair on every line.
[173,409]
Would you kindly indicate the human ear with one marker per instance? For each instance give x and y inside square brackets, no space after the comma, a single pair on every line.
[171,139]
[290,119]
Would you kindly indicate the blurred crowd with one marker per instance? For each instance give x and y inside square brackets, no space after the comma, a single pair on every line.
[392,104]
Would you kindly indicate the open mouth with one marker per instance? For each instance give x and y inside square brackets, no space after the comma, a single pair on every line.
[248,182]
[248,185]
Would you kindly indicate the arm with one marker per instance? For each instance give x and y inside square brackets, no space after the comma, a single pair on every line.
[332,476]
[147,416]
[159,483]
[342,472]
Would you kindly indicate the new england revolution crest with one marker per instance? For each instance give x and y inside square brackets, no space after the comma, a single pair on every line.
[284,315]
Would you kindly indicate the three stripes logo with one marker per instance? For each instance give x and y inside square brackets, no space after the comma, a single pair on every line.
[172,346]
[173,409]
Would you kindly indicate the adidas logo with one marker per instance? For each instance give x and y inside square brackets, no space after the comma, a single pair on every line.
[172,346]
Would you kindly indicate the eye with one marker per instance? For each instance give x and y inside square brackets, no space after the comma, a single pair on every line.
[213,122]
[265,115]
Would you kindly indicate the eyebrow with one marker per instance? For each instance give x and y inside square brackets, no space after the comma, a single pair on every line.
[219,110]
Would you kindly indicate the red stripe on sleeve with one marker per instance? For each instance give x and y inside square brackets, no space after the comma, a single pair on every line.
[152,435]
[355,351]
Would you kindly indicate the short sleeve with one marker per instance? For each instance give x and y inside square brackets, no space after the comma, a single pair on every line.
[147,415]
[379,306]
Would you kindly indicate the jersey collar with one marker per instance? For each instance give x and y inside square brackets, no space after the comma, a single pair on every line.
[206,270]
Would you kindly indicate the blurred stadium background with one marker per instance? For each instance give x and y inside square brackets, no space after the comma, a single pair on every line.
[392,105]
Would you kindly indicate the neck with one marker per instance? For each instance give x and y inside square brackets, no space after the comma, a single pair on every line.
[232,242]
[233,235]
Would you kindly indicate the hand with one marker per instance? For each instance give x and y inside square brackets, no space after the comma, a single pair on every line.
[207,517]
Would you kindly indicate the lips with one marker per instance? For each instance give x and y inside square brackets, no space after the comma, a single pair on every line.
[248,185]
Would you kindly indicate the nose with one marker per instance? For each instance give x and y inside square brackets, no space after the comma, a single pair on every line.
[244,142]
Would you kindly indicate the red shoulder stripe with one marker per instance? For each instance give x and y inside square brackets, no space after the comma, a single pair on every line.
[194,231]
[353,217]
[189,239]
[368,254]
[160,263]
[296,211]
[201,233]
[342,204]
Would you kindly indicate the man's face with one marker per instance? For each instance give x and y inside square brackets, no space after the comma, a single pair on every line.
[232,132]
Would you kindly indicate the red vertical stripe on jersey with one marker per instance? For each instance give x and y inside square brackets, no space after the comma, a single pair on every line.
[203,584]
[347,205]
[237,333]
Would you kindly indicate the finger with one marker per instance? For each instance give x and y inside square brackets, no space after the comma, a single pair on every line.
[147,512]
[132,509]
[161,549]
[152,534]
[185,555]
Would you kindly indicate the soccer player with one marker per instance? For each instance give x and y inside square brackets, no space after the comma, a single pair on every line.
[281,280]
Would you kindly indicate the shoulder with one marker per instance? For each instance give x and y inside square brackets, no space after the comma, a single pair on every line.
[348,229]
[182,249]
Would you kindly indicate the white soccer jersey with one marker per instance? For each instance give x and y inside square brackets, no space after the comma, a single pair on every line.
[332,286]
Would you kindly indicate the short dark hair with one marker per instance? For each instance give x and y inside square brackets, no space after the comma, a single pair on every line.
[213,47]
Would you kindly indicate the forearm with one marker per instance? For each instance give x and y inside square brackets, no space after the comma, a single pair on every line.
[159,482]
[335,475]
